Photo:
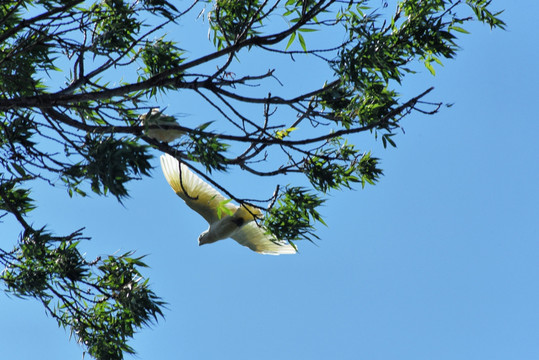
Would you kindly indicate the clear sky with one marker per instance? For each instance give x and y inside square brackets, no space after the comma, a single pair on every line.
[440,260]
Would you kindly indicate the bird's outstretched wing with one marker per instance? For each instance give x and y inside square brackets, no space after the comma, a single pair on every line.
[196,193]
[256,239]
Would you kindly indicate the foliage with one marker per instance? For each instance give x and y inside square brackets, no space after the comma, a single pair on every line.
[77,75]
[294,214]
[102,302]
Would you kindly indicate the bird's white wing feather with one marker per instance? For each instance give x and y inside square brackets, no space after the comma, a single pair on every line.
[196,193]
[256,239]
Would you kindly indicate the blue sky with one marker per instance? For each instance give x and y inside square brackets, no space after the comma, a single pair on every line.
[437,261]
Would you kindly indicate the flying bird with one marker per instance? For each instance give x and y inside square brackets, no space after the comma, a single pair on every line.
[156,117]
[235,222]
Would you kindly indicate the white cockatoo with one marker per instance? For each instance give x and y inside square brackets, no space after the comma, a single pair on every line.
[205,200]
[156,117]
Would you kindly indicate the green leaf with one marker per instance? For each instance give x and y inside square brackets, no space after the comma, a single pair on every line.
[19,169]
[223,209]
[291,40]
[430,67]
[459,29]
[281,134]
[302,42]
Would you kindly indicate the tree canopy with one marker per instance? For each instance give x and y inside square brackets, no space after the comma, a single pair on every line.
[80,107]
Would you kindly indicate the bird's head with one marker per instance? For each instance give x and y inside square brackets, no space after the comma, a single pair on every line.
[206,238]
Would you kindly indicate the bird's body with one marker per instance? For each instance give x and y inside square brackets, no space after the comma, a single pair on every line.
[225,219]
[156,117]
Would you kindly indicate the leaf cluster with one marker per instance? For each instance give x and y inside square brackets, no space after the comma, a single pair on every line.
[159,56]
[15,200]
[110,164]
[102,302]
[207,149]
[116,22]
[341,166]
[232,20]
[293,216]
